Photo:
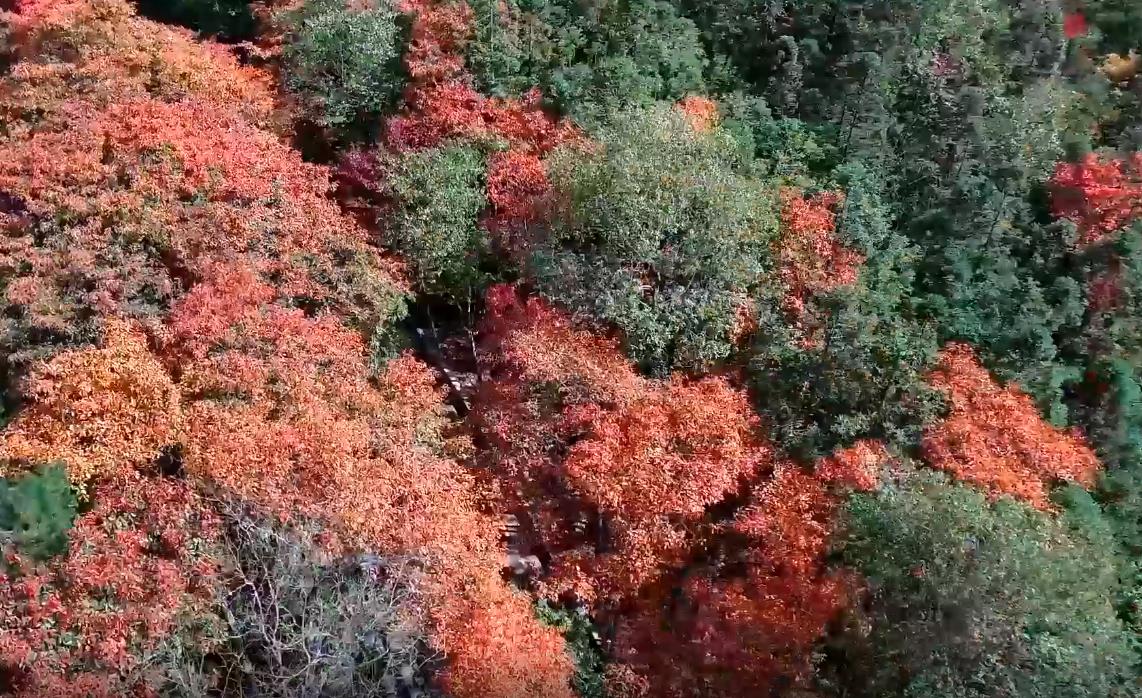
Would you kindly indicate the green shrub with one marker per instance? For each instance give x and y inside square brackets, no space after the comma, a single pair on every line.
[344,64]
[661,232]
[792,149]
[438,195]
[36,512]
[863,378]
[971,599]
[1118,24]
[862,375]
[586,56]
[584,643]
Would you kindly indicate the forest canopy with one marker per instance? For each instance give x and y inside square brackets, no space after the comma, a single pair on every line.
[553,348]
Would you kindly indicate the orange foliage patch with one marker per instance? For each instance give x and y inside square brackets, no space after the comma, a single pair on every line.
[1121,69]
[745,324]
[1100,196]
[857,466]
[195,181]
[576,437]
[700,112]
[648,456]
[104,412]
[653,466]
[745,633]
[517,187]
[439,32]
[538,343]
[496,648]
[103,51]
[453,109]
[677,447]
[310,434]
[441,102]
[995,438]
[812,259]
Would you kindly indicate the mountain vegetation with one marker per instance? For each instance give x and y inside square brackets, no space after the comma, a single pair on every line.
[553,348]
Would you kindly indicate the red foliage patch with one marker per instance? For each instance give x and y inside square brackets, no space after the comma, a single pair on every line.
[441,102]
[517,188]
[995,438]
[856,467]
[439,31]
[614,476]
[746,632]
[1101,196]
[649,456]
[1074,25]
[700,112]
[138,559]
[453,109]
[812,259]
[653,466]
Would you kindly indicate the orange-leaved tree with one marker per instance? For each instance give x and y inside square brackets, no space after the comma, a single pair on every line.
[995,437]
[653,466]
[811,257]
[611,472]
[105,411]
[441,102]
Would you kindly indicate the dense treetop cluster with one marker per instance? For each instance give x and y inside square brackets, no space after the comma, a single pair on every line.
[552,348]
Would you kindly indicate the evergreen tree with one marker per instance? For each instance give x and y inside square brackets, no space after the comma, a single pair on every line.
[36,511]
[977,598]
[662,233]
[586,58]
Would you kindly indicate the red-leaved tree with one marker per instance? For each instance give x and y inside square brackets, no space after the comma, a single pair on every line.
[811,257]
[1100,195]
[613,472]
[994,436]
[80,624]
[744,622]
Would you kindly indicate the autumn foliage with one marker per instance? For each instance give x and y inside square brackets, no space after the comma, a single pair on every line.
[105,412]
[439,31]
[617,477]
[195,320]
[441,102]
[700,112]
[648,456]
[138,562]
[312,435]
[745,626]
[652,466]
[114,56]
[453,109]
[995,438]
[812,259]
[517,188]
[232,337]
[1099,195]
